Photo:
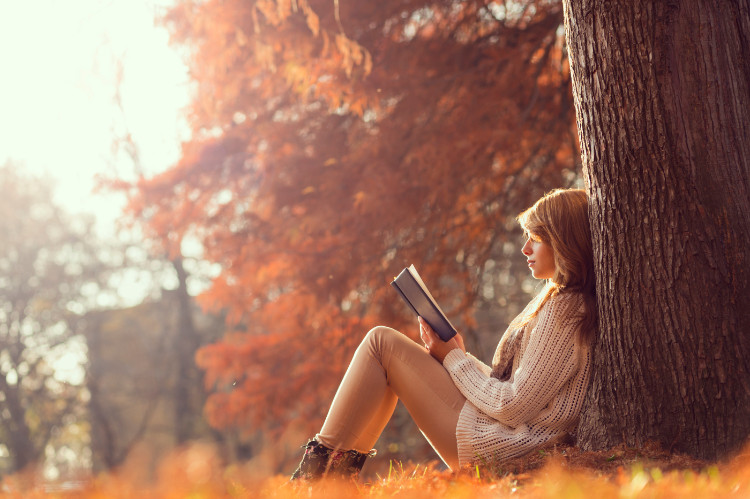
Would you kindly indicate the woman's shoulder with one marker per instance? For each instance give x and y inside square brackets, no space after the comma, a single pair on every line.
[565,303]
[567,297]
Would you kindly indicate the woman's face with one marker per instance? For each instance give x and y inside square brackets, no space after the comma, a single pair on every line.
[540,257]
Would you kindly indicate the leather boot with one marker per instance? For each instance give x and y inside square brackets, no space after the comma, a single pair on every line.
[319,461]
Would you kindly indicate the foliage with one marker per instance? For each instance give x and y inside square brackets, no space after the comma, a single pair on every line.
[49,275]
[198,472]
[334,144]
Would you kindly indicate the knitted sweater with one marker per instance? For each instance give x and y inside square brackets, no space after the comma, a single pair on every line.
[542,399]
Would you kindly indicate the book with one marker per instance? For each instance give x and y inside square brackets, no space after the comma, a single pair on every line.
[415,293]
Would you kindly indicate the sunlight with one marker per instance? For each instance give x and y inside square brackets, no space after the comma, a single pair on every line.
[68,362]
[58,114]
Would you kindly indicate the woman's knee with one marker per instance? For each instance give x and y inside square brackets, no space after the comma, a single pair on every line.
[380,335]
[382,339]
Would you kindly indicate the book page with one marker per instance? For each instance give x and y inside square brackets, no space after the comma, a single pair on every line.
[415,274]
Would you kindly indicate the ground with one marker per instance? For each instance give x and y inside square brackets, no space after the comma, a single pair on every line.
[562,471]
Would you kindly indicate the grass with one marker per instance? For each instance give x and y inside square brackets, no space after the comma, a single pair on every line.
[562,472]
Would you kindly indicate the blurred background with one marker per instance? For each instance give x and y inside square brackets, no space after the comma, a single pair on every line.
[204,203]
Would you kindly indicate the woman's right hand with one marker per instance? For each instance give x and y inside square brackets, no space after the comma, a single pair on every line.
[436,346]
[460,341]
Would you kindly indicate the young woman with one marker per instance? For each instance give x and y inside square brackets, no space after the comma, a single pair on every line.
[529,396]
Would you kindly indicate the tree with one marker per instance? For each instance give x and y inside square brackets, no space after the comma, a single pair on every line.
[146,391]
[333,144]
[186,339]
[662,93]
[50,275]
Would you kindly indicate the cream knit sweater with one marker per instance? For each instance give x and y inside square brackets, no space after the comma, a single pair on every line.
[542,399]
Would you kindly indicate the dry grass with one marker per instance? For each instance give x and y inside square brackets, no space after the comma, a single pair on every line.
[562,472]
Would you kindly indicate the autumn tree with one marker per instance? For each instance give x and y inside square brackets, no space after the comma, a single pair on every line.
[335,143]
[50,276]
[662,94]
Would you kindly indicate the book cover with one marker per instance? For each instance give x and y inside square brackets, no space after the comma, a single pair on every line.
[415,293]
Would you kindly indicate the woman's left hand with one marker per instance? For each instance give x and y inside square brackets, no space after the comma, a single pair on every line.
[434,345]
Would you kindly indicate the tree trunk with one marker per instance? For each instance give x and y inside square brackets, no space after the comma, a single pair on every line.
[662,99]
[20,444]
[186,342]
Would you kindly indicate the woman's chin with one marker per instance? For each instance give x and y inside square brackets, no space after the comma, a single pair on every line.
[539,276]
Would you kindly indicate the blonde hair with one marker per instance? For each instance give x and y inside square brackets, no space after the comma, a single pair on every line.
[560,219]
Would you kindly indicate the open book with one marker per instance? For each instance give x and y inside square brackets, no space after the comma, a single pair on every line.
[414,292]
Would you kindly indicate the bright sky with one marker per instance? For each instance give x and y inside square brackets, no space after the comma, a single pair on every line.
[58,118]
[58,65]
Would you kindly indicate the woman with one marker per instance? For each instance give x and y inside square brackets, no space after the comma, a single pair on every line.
[470,412]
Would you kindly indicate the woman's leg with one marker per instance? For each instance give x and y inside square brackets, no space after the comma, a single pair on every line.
[388,366]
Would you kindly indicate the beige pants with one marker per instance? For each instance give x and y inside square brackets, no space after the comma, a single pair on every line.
[386,367]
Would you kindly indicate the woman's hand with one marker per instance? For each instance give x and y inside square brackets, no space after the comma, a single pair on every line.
[434,345]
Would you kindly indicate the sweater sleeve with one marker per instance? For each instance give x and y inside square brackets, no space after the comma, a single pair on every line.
[483,368]
[547,363]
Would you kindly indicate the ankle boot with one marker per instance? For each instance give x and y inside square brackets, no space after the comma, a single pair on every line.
[319,461]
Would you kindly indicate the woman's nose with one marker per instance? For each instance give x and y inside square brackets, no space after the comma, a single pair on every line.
[526,250]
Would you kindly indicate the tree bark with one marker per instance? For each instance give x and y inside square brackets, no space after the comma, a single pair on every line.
[662,96]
